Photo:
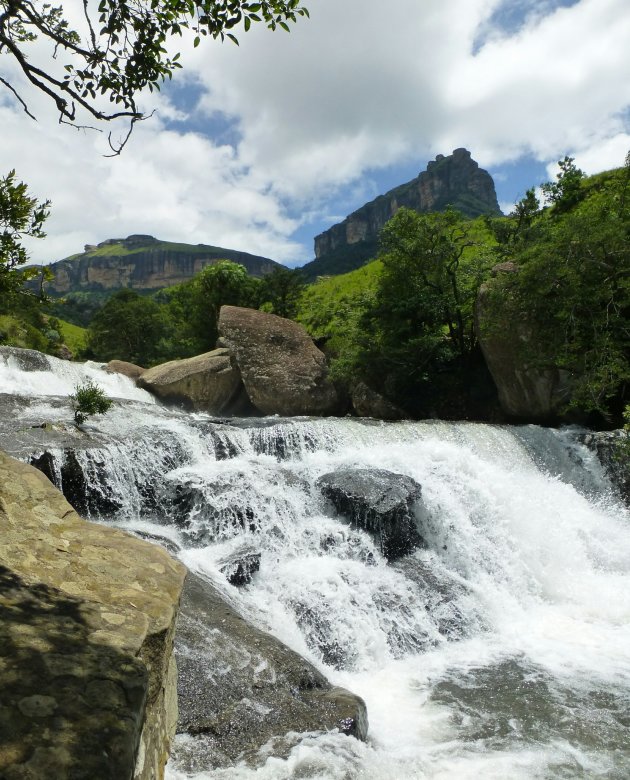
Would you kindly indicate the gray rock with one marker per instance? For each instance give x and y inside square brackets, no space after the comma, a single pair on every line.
[210,382]
[283,371]
[381,502]
[239,687]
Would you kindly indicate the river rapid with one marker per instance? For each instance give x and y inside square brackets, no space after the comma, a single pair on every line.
[501,650]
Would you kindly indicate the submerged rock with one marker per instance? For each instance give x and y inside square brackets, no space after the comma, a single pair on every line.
[240,565]
[381,502]
[283,371]
[239,687]
[87,618]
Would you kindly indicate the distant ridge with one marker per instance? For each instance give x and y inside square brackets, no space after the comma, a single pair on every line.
[143,262]
[455,180]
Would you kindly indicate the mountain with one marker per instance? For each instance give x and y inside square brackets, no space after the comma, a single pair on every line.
[143,263]
[455,180]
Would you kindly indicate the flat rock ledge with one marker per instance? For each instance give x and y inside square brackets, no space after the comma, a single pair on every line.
[87,620]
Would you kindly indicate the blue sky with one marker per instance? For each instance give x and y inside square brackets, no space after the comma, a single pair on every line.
[261,147]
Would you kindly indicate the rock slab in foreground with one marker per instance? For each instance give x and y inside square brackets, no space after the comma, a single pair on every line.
[87,618]
[283,371]
[381,502]
[240,688]
[209,382]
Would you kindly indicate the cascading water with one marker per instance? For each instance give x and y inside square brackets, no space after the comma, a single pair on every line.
[501,650]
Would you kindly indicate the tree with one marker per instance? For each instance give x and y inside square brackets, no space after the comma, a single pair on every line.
[420,323]
[20,216]
[280,290]
[120,48]
[566,192]
[128,327]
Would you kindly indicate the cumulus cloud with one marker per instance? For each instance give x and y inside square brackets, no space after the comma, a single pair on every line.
[357,88]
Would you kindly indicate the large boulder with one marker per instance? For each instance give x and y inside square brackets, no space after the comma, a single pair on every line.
[530,386]
[210,382]
[283,371]
[130,370]
[385,504]
[87,620]
[240,687]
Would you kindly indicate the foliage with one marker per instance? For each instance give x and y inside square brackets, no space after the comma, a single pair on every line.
[122,47]
[21,216]
[88,399]
[128,327]
[279,291]
[573,286]
[73,336]
[332,309]
[420,323]
[567,191]
[17,332]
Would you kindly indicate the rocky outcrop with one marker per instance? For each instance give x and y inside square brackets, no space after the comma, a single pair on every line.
[385,504]
[87,676]
[282,370]
[455,180]
[143,263]
[210,382]
[530,387]
[25,359]
[260,690]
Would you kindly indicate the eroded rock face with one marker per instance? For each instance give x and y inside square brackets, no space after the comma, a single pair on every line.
[86,631]
[26,359]
[529,386]
[210,382]
[381,502]
[283,371]
[260,690]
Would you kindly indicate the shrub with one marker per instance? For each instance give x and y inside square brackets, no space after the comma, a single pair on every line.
[88,399]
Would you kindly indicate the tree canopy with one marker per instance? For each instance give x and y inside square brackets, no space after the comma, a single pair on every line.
[117,48]
[20,216]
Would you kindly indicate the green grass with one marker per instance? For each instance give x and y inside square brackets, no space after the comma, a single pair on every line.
[14,332]
[73,336]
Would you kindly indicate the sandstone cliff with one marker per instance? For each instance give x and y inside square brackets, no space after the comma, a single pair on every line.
[87,619]
[143,263]
[456,180]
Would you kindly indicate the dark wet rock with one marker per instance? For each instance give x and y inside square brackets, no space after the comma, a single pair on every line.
[385,504]
[260,689]
[240,565]
[204,513]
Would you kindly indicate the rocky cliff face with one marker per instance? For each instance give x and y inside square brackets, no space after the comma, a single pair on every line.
[143,263]
[456,180]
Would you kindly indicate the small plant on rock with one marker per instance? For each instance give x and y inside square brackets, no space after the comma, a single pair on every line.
[88,398]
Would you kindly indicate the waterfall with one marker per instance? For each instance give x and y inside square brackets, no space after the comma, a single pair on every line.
[500,649]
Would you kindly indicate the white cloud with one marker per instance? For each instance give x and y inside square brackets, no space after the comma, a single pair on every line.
[357,87]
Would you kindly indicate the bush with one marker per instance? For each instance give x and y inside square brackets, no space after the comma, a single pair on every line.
[88,399]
